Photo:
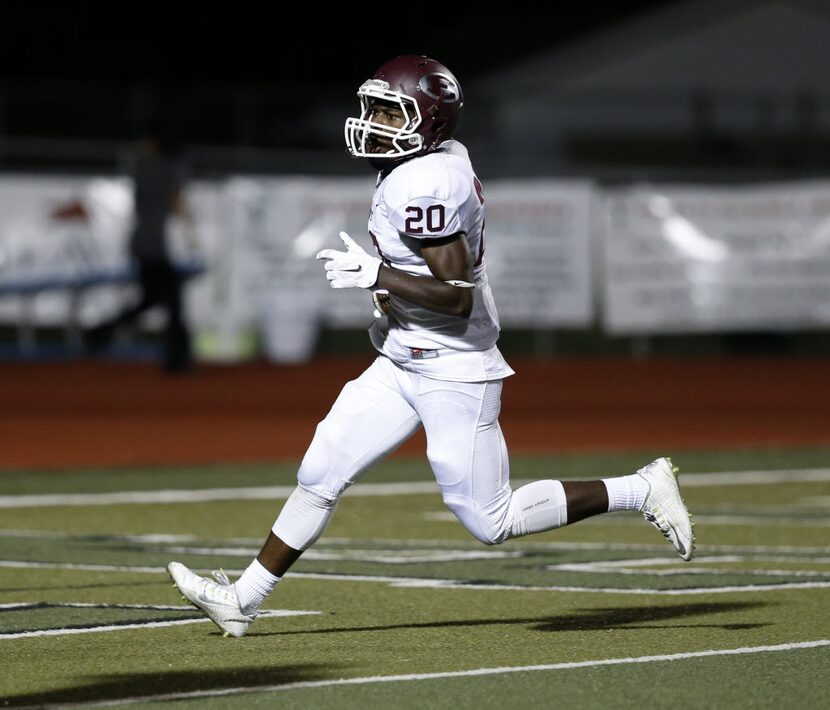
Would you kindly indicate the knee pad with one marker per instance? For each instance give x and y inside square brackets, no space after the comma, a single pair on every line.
[304,516]
[319,471]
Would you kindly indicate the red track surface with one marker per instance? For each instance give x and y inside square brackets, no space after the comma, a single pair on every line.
[82,414]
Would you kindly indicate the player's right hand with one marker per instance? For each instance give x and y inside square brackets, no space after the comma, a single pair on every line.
[353,268]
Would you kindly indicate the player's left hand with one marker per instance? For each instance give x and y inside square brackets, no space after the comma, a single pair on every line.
[353,268]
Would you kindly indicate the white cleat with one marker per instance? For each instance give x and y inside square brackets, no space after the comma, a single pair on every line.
[216,599]
[664,507]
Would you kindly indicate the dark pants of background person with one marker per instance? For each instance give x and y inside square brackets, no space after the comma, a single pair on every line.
[161,285]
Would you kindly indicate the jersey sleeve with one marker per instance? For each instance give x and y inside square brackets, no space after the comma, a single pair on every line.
[427,203]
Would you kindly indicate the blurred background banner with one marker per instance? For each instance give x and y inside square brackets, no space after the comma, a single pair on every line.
[666,259]
[726,258]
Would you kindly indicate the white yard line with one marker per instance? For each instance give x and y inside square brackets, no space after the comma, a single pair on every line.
[526,544]
[689,480]
[419,677]
[727,519]
[459,584]
[357,554]
[530,544]
[127,537]
[678,567]
[763,521]
[755,478]
[92,605]
[137,625]
[425,583]
[743,520]
[100,629]
[25,564]
[202,495]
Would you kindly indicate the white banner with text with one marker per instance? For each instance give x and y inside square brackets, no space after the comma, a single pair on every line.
[716,259]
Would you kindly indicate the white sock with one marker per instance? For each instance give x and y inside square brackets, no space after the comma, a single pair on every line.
[254,586]
[626,492]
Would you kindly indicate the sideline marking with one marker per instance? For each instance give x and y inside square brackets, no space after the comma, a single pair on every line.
[689,480]
[425,583]
[458,674]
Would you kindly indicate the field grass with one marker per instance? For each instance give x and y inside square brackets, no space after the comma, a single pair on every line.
[396,606]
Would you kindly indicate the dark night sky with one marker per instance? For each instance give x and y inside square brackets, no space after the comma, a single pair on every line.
[96,71]
[262,44]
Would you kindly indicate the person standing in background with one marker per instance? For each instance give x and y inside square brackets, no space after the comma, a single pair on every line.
[159,180]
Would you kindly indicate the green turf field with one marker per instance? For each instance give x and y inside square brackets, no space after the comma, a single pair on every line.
[398,607]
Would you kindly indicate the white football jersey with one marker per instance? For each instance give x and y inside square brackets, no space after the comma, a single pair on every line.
[433,196]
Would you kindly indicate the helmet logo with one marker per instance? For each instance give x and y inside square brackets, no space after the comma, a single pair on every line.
[440,87]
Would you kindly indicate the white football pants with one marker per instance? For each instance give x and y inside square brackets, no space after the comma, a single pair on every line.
[382,408]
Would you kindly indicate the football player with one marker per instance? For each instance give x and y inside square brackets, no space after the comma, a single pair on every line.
[438,364]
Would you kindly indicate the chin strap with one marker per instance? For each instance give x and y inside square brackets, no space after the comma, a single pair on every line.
[460,284]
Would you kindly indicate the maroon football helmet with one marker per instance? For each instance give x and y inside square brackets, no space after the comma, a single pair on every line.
[428,95]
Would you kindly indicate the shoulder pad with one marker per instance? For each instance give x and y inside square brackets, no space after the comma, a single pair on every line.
[425,195]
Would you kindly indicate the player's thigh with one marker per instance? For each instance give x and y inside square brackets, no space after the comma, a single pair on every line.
[369,419]
[465,445]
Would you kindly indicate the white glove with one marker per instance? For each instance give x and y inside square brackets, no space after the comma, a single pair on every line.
[353,268]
